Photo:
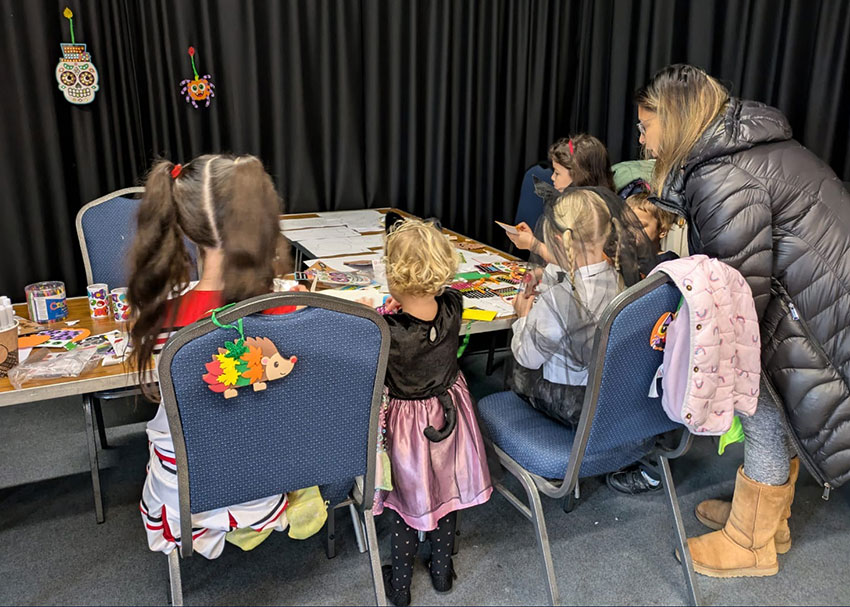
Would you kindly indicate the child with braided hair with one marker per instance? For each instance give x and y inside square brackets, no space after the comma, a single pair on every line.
[597,242]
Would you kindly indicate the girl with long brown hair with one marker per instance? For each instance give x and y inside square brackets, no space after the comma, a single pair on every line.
[227,206]
[579,161]
[762,203]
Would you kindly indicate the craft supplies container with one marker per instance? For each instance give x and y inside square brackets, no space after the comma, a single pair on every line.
[46,301]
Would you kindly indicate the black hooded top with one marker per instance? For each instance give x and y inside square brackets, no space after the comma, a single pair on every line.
[762,203]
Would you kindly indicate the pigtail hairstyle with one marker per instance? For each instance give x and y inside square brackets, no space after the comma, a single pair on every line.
[159,263]
[249,234]
[217,202]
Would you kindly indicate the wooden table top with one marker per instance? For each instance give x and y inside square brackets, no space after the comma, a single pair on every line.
[99,378]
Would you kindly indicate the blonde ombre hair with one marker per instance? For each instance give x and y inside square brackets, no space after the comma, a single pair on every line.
[419,259]
[686,101]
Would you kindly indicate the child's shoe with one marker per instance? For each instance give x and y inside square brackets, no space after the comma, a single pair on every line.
[399,598]
[443,583]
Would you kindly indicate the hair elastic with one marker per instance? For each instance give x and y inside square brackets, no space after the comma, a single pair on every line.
[175,172]
[572,150]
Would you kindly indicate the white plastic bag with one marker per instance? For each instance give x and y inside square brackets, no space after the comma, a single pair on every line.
[71,363]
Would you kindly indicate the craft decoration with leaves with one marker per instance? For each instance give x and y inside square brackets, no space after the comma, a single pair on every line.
[76,74]
[250,361]
[199,89]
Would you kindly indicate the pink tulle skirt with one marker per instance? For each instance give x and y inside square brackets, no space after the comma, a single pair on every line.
[430,480]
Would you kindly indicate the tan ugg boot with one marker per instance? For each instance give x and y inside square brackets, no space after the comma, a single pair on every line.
[714,513]
[745,546]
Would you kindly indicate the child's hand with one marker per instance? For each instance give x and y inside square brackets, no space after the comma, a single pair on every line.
[523,303]
[300,288]
[391,305]
[524,239]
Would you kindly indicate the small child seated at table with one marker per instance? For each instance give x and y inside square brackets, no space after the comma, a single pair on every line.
[654,221]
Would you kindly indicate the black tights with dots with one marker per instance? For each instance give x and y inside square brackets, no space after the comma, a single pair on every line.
[405,543]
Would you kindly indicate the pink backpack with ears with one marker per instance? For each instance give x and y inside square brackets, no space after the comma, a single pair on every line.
[712,357]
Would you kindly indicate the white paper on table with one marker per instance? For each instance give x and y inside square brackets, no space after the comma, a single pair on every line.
[496,304]
[320,233]
[482,258]
[373,241]
[332,247]
[23,353]
[338,263]
[360,217]
[308,222]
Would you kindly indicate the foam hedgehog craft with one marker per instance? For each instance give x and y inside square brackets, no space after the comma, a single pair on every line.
[252,362]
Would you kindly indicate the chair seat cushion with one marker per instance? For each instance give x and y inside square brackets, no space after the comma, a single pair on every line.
[541,444]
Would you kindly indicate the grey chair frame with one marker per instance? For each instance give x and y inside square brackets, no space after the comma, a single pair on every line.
[534,485]
[245,308]
[92,410]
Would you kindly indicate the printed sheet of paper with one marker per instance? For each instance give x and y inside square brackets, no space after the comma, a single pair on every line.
[331,232]
[497,304]
[367,220]
[308,222]
[332,247]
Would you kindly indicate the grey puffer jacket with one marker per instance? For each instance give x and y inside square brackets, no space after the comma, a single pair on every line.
[762,203]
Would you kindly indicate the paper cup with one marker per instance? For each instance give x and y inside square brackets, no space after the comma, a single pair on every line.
[8,349]
[98,300]
[120,306]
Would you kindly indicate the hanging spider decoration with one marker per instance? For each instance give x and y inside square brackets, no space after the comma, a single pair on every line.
[199,89]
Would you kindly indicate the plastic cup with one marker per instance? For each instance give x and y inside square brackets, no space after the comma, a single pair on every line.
[98,300]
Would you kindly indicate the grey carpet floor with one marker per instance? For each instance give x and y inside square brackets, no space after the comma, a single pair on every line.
[611,550]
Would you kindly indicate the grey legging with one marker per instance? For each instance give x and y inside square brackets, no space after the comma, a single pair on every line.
[767,448]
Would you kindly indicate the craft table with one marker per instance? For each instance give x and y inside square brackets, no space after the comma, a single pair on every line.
[98,379]
[497,324]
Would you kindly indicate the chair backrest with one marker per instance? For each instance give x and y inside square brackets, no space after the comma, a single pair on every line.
[619,417]
[318,425]
[530,206]
[106,228]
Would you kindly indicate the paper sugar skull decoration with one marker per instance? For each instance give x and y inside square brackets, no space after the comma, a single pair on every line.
[199,89]
[251,361]
[75,72]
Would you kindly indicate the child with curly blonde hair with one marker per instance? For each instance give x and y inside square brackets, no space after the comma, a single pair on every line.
[435,446]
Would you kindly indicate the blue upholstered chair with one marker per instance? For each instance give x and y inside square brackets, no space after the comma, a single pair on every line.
[106,228]
[316,426]
[619,423]
[530,206]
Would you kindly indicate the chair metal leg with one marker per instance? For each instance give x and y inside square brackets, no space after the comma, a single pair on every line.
[330,546]
[456,542]
[569,503]
[174,580]
[375,559]
[91,423]
[491,353]
[687,562]
[358,528]
[101,427]
[536,508]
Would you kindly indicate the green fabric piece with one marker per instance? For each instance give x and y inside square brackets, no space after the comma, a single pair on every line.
[471,276]
[626,172]
[735,434]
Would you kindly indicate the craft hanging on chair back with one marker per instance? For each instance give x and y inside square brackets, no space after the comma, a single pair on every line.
[76,74]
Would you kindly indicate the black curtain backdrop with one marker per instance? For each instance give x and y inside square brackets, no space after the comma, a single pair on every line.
[435,107]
